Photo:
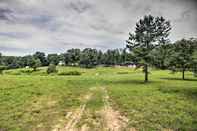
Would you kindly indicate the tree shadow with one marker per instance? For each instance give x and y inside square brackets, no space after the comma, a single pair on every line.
[179,79]
[188,92]
[135,82]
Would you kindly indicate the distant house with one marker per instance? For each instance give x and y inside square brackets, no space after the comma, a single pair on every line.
[132,66]
[61,63]
[129,64]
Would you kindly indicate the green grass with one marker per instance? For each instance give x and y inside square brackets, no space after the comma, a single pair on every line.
[96,101]
[165,103]
[34,102]
[37,101]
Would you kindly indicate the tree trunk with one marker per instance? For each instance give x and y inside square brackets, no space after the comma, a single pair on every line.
[146,73]
[183,74]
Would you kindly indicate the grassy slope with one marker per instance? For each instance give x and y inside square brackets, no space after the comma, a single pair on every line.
[38,101]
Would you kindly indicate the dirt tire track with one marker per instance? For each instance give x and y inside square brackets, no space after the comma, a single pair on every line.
[108,119]
[113,120]
[71,125]
[75,116]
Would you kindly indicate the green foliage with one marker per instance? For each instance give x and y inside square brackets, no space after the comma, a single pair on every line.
[2,68]
[72,56]
[52,69]
[88,58]
[112,57]
[41,57]
[181,58]
[161,56]
[53,58]
[122,72]
[195,71]
[70,73]
[149,33]
[34,63]
[1,59]
[11,62]
[194,59]
[26,71]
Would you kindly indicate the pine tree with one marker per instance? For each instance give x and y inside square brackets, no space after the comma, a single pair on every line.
[148,33]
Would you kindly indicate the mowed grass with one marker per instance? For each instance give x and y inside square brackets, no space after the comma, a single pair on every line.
[37,101]
[166,102]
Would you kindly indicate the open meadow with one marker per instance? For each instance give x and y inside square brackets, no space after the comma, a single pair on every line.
[102,98]
[98,65]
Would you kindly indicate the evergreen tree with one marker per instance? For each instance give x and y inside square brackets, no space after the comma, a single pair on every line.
[88,58]
[1,61]
[73,56]
[161,55]
[181,59]
[148,33]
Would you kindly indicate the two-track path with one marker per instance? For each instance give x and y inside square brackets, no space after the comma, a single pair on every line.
[106,118]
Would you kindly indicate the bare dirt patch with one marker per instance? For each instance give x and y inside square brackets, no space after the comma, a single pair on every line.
[113,120]
[74,117]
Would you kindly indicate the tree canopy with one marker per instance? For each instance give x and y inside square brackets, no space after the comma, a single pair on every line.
[149,33]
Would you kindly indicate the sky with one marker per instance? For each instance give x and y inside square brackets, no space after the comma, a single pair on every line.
[53,26]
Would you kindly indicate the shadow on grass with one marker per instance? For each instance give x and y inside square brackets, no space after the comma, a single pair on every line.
[188,92]
[135,82]
[179,79]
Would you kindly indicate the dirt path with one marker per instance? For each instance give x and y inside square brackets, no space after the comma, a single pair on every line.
[74,117]
[104,119]
[113,120]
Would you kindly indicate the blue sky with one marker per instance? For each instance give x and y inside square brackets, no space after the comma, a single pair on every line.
[53,26]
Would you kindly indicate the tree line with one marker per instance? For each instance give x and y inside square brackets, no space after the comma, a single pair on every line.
[73,57]
[178,56]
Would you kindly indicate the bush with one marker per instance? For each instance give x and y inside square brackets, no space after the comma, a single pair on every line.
[2,68]
[122,72]
[51,69]
[195,70]
[195,74]
[16,73]
[26,71]
[70,73]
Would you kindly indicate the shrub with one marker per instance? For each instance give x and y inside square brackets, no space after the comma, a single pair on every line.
[16,73]
[2,68]
[195,70]
[26,71]
[122,72]
[51,69]
[70,73]
[195,73]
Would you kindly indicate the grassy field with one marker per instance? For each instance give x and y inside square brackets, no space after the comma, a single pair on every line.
[99,99]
